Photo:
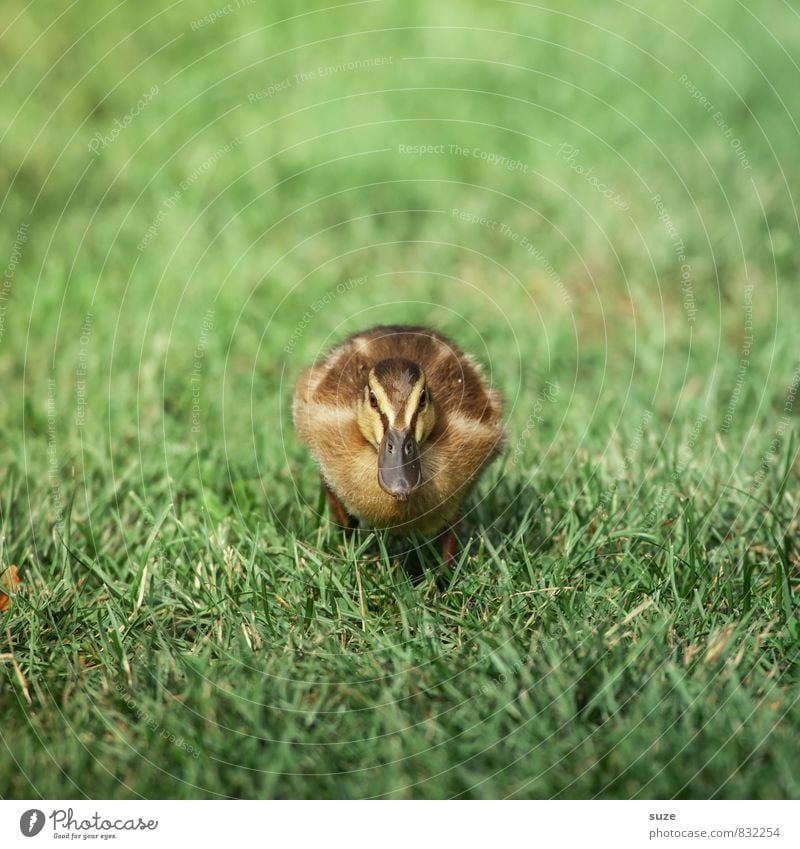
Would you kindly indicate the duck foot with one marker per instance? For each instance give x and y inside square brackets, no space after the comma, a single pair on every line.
[338,511]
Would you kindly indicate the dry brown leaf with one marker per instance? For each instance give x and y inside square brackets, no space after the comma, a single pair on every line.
[9,580]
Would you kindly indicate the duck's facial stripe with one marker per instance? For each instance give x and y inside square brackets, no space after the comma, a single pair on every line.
[371,422]
[385,406]
[400,413]
[412,403]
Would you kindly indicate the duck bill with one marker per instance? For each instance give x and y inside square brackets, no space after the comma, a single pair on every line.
[399,468]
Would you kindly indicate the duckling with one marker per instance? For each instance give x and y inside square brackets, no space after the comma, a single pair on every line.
[401,423]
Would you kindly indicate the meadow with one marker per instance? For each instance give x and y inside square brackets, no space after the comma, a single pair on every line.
[597,201]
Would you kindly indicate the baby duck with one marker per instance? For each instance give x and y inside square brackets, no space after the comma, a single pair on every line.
[401,423]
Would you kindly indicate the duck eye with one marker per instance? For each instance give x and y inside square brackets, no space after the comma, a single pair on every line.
[373,401]
[423,399]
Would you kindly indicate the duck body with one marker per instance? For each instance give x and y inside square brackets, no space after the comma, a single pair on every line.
[401,423]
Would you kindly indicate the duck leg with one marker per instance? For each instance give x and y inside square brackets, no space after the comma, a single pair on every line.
[338,511]
[449,543]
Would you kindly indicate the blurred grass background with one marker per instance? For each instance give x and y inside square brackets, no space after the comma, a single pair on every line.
[199,199]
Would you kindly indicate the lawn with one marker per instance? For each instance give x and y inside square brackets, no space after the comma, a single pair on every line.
[200,198]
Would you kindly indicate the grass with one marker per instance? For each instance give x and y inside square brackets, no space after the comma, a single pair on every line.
[623,618]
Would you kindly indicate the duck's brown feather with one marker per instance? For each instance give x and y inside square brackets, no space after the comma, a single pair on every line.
[467,435]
